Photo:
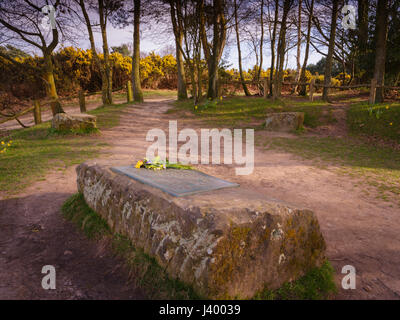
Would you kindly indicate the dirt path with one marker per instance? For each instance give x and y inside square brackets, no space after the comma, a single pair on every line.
[359,230]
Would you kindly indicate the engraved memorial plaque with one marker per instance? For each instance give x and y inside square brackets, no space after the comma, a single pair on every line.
[176,182]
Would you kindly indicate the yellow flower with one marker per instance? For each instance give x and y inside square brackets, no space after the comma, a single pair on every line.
[387,107]
[391,123]
[2,142]
[139,164]
[195,107]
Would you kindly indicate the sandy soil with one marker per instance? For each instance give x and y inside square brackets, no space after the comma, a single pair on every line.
[360,231]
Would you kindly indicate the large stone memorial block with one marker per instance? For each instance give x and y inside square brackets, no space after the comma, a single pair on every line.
[227,243]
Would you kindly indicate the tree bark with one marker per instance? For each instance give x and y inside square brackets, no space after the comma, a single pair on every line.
[95,56]
[261,40]
[329,57]
[51,89]
[298,72]
[106,55]
[273,40]
[362,36]
[182,90]
[281,48]
[137,88]
[242,80]
[307,50]
[381,31]
[213,53]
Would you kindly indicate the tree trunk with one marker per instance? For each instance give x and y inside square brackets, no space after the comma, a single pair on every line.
[329,57]
[242,80]
[307,51]
[213,53]
[298,72]
[281,48]
[182,91]
[380,52]
[51,89]
[261,45]
[95,56]
[106,54]
[362,36]
[137,89]
[273,40]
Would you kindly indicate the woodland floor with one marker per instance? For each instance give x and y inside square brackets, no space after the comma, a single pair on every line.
[360,229]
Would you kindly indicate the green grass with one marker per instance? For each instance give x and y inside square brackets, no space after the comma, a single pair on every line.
[145,270]
[38,149]
[317,284]
[108,116]
[379,166]
[150,94]
[77,211]
[242,111]
[380,120]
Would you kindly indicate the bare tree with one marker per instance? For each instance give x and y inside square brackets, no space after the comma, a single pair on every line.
[103,9]
[23,22]
[298,55]
[213,50]
[242,80]
[331,48]
[273,42]
[380,51]
[178,32]
[307,50]
[137,89]
[282,47]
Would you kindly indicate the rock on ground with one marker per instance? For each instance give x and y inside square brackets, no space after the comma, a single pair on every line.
[284,121]
[68,121]
[226,243]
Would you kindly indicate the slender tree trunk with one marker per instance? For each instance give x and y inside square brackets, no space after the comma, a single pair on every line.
[362,36]
[307,50]
[298,73]
[329,57]
[95,56]
[273,40]
[106,54]
[213,54]
[182,91]
[281,48]
[137,89]
[242,80]
[51,89]
[199,73]
[380,52]
[261,43]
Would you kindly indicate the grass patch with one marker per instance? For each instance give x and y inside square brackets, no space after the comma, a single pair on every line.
[145,270]
[150,94]
[37,149]
[317,284]
[380,120]
[241,111]
[77,211]
[108,116]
